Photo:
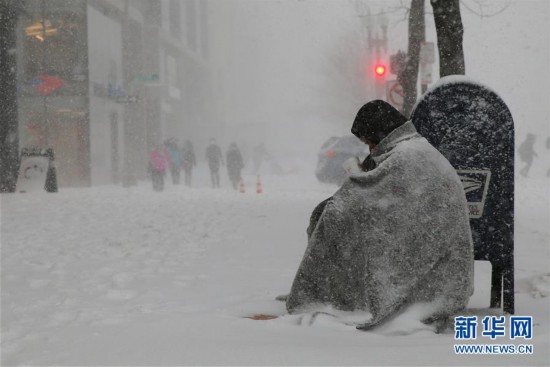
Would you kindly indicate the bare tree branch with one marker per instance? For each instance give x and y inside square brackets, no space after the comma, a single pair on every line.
[481,13]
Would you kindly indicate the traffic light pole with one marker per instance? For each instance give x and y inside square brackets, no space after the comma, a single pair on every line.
[375,44]
[45,127]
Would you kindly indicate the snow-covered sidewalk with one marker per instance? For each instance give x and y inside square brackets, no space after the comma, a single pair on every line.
[115,276]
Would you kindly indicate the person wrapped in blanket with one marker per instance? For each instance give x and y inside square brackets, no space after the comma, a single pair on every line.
[396,233]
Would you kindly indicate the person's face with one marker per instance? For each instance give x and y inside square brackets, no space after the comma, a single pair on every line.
[368,142]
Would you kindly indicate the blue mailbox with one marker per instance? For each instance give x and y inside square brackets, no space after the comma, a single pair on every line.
[473,128]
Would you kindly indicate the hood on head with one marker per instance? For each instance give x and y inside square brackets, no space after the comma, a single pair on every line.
[375,120]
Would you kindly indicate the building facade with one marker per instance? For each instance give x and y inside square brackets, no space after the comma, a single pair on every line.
[103,81]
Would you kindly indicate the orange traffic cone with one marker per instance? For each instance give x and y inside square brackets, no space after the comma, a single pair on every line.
[241,187]
[259,188]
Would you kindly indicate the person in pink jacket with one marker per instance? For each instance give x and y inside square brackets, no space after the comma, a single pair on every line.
[157,167]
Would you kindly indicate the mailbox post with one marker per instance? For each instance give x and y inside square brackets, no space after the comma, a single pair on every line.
[473,128]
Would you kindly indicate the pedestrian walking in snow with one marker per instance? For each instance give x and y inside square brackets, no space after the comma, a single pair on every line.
[396,233]
[527,153]
[214,157]
[174,159]
[235,164]
[157,167]
[188,161]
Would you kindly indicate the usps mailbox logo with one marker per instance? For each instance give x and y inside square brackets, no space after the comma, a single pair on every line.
[476,187]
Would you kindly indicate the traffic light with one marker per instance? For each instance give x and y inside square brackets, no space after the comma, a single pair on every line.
[379,79]
[380,70]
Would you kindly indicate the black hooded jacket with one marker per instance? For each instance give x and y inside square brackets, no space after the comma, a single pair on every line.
[375,120]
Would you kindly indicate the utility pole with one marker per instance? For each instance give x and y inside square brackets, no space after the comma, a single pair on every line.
[45,132]
[9,141]
[128,171]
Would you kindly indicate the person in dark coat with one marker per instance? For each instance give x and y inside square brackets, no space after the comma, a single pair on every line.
[235,164]
[395,234]
[188,161]
[214,157]
[527,153]
[174,163]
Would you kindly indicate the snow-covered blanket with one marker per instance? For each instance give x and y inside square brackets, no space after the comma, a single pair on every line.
[396,235]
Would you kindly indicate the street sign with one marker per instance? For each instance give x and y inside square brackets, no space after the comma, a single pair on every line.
[46,84]
[127,99]
[394,93]
[36,171]
[32,174]
[427,53]
[146,77]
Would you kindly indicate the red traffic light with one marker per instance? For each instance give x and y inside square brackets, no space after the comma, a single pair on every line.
[380,70]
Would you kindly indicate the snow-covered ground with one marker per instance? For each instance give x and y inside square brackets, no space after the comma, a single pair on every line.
[114,276]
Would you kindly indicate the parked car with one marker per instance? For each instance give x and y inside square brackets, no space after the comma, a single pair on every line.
[334,152]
